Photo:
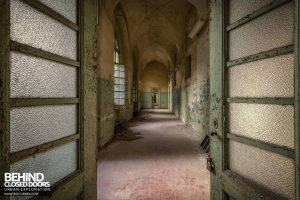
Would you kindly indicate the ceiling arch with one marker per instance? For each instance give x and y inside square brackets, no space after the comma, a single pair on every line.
[157,28]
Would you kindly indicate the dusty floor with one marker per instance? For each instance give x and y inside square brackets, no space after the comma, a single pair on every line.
[167,164]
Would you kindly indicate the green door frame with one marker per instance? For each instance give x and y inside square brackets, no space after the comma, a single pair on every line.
[223,181]
[72,186]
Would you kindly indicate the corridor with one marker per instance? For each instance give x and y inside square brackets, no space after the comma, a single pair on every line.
[166,164]
[113,99]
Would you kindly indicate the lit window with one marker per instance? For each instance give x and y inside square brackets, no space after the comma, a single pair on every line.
[119,78]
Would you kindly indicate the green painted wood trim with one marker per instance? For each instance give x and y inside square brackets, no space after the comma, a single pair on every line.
[88,98]
[217,69]
[262,55]
[42,148]
[240,188]
[42,101]
[297,98]
[281,150]
[51,13]
[69,187]
[257,13]
[73,184]
[277,101]
[4,89]
[23,48]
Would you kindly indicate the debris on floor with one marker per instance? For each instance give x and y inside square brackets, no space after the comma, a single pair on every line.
[123,133]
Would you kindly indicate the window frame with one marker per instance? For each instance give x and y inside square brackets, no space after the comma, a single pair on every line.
[117,68]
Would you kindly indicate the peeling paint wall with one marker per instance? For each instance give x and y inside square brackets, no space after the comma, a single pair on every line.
[105,67]
[108,114]
[191,96]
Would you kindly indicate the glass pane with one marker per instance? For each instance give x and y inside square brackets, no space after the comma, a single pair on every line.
[267,32]
[120,95]
[119,87]
[120,81]
[32,126]
[121,68]
[272,171]
[273,77]
[121,101]
[67,8]
[117,57]
[269,123]
[121,74]
[117,73]
[241,8]
[56,163]
[31,27]
[37,77]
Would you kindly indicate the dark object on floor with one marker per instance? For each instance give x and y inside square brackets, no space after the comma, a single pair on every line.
[123,133]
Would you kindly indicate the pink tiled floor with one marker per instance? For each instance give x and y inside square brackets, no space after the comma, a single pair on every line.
[167,164]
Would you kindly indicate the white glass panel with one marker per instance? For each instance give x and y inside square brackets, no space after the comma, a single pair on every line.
[269,123]
[32,126]
[56,163]
[273,171]
[31,27]
[273,77]
[122,74]
[37,77]
[119,81]
[117,57]
[272,30]
[241,8]
[67,8]
[119,94]
[119,87]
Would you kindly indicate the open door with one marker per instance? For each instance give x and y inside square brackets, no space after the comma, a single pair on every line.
[48,94]
[155,95]
[254,99]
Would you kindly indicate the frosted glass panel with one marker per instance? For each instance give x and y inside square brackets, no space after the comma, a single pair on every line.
[273,171]
[269,123]
[37,77]
[241,8]
[32,126]
[119,87]
[120,101]
[119,81]
[120,74]
[272,30]
[67,8]
[31,27]
[119,94]
[56,163]
[273,77]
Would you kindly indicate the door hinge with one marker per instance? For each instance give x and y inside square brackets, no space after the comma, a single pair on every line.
[210,165]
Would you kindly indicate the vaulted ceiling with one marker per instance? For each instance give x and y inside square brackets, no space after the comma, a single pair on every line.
[156,28]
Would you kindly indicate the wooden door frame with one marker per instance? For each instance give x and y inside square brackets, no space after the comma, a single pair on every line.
[223,180]
[81,183]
